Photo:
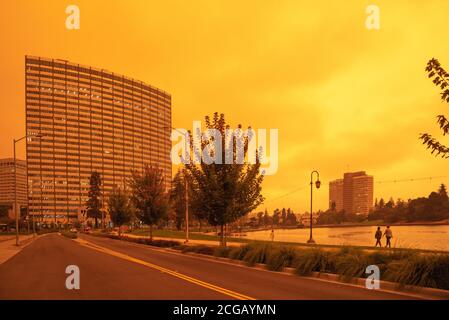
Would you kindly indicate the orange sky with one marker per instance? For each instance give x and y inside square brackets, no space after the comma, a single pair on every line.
[343,97]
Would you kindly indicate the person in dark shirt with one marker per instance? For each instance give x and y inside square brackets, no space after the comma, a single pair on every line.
[378,236]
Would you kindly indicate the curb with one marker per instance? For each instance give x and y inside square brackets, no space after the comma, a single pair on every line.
[421,292]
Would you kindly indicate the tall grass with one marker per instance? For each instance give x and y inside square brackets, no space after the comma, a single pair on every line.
[313,260]
[425,270]
[258,254]
[238,253]
[222,251]
[350,264]
[281,257]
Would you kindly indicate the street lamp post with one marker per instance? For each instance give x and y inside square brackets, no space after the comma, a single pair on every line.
[187,208]
[186,191]
[317,184]
[17,212]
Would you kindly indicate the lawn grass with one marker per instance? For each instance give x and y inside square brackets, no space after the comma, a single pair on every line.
[175,234]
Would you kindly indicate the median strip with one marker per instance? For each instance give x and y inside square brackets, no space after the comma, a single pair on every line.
[165,270]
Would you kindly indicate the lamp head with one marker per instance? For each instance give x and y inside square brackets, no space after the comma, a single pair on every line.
[318,184]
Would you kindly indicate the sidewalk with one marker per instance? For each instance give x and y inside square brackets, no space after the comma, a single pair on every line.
[8,247]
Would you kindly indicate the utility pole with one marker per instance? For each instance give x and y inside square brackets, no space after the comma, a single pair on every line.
[317,184]
[15,195]
[17,212]
[187,208]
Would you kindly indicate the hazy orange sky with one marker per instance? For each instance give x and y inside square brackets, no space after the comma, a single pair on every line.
[343,97]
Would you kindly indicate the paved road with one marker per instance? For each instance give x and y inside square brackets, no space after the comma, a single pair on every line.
[111,269]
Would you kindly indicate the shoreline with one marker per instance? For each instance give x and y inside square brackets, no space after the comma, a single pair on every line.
[380,224]
[383,224]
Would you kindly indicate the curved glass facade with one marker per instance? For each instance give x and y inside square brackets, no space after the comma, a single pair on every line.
[92,120]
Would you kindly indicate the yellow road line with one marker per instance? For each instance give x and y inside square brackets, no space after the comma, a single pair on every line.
[165,270]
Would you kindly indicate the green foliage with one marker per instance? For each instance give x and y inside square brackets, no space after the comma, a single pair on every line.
[434,207]
[202,249]
[223,193]
[331,216]
[351,264]
[426,270]
[68,234]
[178,198]
[141,240]
[222,251]
[281,257]
[149,195]
[257,253]
[4,213]
[238,253]
[120,208]
[93,204]
[441,79]
[312,260]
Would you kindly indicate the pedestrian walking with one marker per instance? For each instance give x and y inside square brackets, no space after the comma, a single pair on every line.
[388,235]
[272,235]
[378,237]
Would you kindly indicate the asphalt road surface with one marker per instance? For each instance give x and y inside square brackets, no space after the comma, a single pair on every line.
[111,269]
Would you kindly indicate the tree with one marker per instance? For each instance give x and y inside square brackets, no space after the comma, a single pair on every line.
[283,217]
[178,198]
[333,206]
[149,196]
[291,217]
[440,79]
[222,191]
[267,220]
[260,218]
[93,203]
[120,208]
[276,217]
[443,192]
[4,217]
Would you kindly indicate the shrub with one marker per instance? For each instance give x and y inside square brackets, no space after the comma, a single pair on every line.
[282,257]
[222,251]
[163,243]
[68,234]
[311,260]
[202,249]
[351,265]
[238,253]
[426,270]
[257,254]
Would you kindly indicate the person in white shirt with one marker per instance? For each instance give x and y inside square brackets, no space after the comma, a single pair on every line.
[388,235]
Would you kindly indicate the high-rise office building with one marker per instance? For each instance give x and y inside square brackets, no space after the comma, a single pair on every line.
[353,193]
[91,120]
[362,201]
[336,194]
[7,184]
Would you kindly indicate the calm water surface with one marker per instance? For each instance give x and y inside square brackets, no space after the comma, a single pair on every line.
[418,237]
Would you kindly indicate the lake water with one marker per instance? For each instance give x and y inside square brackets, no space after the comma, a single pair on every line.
[418,237]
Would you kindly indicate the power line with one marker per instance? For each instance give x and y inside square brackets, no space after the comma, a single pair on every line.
[378,182]
[411,179]
[287,194]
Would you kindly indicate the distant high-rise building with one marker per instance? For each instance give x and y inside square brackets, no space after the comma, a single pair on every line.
[362,194]
[353,193]
[91,120]
[336,194]
[7,184]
